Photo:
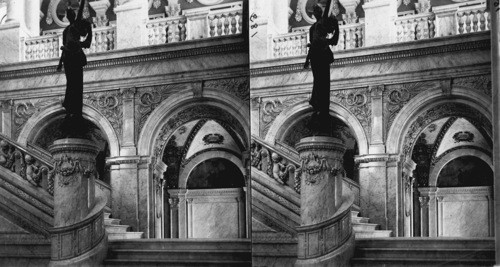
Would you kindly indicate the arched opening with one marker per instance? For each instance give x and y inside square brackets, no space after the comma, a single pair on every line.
[205,183]
[453,177]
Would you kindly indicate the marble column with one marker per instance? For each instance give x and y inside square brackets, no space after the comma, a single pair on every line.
[128,147]
[6,108]
[380,187]
[74,184]
[15,11]
[174,217]
[124,190]
[321,185]
[379,22]
[160,169]
[495,80]
[431,216]
[12,31]
[280,16]
[131,20]
[377,145]
[424,216]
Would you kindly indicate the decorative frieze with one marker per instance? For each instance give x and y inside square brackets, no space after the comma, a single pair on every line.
[110,105]
[238,86]
[271,108]
[480,83]
[358,102]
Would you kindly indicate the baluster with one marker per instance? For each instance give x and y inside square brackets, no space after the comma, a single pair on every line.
[356,34]
[467,22]
[411,28]
[362,36]
[341,43]
[460,17]
[432,26]
[109,37]
[211,24]
[347,39]
[182,30]
[177,31]
[303,44]
[149,27]
[425,28]
[482,20]
[399,31]
[226,19]
[298,45]
[103,40]
[26,50]
[475,20]
[219,25]
[170,32]
[233,22]
[488,20]
[163,32]
[240,21]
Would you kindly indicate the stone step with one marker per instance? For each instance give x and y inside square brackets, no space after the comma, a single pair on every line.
[423,253]
[125,235]
[176,263]
[364,227]
[360,219]
[116,228]
[409,262]
[427,242]
[111,221]
[177,255]
[373,234]
[182,244]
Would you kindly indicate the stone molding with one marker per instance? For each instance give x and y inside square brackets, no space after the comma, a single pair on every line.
[129,160]
[410,53]
[377,158]
[106,63]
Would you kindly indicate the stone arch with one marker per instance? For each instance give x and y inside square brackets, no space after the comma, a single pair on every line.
[51,111]
[162,122]
[298,111]
[430,102]
[434,173]
[186,171]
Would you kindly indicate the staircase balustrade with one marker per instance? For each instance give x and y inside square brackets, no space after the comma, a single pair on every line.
[31,166]
[473,18]
[225,19]
[167,30]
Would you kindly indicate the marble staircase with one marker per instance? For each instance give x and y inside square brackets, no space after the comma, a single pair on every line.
[117,231]
[424,252]
[179,252]
[363,229]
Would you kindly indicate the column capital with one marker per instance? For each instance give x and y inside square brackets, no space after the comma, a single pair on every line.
[424,201]
[128,93]
[174,203]
[376,90]
[6,105]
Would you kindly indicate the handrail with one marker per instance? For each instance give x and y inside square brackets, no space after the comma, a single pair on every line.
[92,225]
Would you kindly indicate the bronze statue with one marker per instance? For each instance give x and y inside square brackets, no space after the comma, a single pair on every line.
[74,59]
[320,57]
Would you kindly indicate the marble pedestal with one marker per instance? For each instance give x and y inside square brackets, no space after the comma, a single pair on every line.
[78,237]
[325,228]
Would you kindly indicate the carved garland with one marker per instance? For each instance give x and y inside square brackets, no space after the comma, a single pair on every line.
[317,168]
[481,83]
[67,167]
[240,87]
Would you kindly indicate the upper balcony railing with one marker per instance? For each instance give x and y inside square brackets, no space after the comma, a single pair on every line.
[206,22]
[455,19]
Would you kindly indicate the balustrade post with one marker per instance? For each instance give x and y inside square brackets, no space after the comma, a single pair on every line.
[131,20]
[321,240]
[380,17]
[75,202]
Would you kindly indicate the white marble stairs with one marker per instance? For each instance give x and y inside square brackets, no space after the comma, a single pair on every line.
[363,229]
[117,231]
[179,252]
[424,251]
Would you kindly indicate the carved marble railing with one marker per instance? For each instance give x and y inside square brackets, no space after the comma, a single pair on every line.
[78,239]
[328,236]
[473,18]
[290,45]
[103,39]
[351,36]
[31,166]
[41,47]
[166,30]
[281,163]
[415,27]
[48,45]
[225,19]
[295,43]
